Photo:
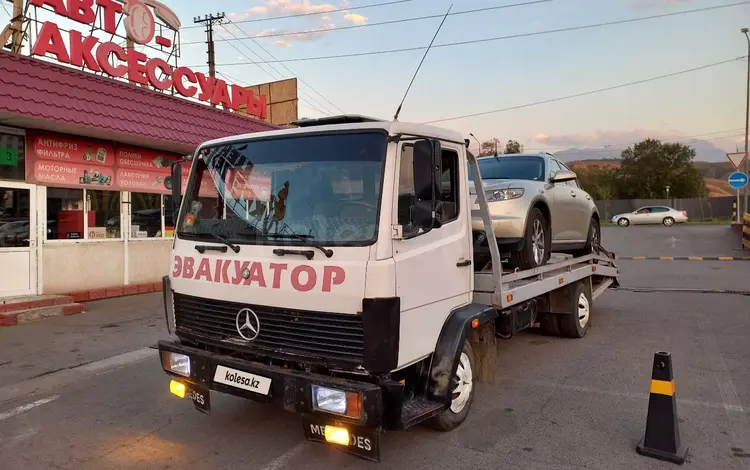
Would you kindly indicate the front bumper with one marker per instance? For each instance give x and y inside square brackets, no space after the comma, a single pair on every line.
[508,218]
[289,389]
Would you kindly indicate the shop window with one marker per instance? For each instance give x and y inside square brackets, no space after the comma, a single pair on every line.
[145,215]
[65,213]
[14,217]
[69,218]
[105,206]
[12,157]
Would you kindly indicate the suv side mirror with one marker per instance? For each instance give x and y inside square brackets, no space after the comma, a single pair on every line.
[175,184]
[427,166]
[563,176]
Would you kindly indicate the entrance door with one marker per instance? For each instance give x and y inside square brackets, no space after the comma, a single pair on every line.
[18,239]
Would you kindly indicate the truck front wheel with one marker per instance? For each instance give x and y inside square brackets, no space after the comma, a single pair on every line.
[462,392]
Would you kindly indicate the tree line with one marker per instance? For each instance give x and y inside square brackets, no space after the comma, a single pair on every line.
[650,169]
[645,171]
[494,147]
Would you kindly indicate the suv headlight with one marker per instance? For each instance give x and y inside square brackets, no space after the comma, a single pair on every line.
[337,402]
[495,195]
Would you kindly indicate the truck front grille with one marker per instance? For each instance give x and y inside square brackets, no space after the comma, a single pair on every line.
[321,335]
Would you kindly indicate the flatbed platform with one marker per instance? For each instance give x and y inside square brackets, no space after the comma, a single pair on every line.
[506,289]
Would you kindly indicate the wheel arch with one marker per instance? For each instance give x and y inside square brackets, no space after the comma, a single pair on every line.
[450,344]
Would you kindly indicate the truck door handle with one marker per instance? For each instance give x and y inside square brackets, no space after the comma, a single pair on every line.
[464,263]
[572,193]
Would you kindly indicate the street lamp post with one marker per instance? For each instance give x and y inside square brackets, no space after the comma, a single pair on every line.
[747,115]
[479,151]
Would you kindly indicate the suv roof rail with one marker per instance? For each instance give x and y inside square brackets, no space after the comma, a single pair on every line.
[337,119]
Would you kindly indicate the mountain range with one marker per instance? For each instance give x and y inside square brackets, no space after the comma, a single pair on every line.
[705,152]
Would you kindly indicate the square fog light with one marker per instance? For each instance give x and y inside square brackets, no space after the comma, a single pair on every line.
[331,400]
[177,363]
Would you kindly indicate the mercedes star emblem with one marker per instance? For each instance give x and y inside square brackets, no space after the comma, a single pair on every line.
[248,324]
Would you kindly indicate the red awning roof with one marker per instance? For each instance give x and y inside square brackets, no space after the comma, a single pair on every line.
[42,95]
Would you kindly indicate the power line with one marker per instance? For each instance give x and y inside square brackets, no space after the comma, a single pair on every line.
[382,23]
[289,70]
[363,7]
[502,38]
[586,93]
[314,106]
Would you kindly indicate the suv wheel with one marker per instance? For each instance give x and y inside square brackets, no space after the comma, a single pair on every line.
[536,244]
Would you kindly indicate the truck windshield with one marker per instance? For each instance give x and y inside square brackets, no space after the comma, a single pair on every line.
[510,168]
[321,188]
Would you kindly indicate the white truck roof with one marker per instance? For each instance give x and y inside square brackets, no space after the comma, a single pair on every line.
[346,122]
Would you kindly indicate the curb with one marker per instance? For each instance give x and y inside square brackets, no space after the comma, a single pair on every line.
[686,258]
[68,304]
[119,291]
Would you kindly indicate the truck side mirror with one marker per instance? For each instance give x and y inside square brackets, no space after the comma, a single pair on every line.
[175,184]
[427,168]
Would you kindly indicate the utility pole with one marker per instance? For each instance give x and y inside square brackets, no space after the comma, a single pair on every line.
[747,116]
[210,21]
[17,27]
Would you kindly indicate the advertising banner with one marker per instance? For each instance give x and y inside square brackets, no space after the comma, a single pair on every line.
[73,162]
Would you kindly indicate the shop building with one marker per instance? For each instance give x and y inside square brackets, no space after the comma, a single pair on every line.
[83,164]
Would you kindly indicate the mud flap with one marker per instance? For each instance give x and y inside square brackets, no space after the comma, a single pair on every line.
[362,442]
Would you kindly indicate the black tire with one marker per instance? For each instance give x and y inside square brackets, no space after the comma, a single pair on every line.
[575,323]
[525,259]
[623,222]
[449,419]
[668,221]
[592,241]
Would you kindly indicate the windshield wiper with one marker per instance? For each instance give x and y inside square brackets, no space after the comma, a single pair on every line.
[202,248]
[308,239]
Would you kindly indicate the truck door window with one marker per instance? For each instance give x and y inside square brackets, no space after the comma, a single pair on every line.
[449,186]
[449,189]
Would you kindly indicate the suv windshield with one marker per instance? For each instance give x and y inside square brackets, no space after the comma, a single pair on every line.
[324,188]
[510,168]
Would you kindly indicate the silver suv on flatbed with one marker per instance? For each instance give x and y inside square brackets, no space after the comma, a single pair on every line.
[537,206]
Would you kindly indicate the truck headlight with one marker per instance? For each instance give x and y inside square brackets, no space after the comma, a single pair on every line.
[177,363]
[337,402]
[495,195]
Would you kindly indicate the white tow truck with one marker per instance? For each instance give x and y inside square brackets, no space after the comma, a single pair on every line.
[329,270]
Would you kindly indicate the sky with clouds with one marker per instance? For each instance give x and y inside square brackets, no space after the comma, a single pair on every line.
[496,75]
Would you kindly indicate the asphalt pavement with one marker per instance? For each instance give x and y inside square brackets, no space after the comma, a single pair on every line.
[86,392]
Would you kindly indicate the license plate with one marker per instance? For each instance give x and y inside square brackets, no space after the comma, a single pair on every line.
[201,398]
[363,442]
[244,380]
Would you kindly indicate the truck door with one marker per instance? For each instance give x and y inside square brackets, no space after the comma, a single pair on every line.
[432,274]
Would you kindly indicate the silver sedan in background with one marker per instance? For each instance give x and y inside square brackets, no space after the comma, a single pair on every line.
[651,215]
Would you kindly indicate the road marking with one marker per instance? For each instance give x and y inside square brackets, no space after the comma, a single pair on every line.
[733,407]
[29,406]
[282,460]
[685,258]
[737,423]
[64,377]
